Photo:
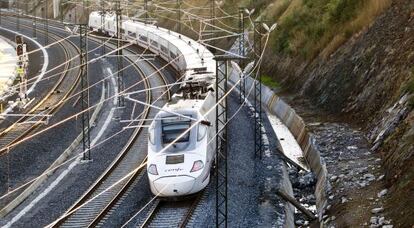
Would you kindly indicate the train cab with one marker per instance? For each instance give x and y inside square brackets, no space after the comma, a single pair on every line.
[178,157]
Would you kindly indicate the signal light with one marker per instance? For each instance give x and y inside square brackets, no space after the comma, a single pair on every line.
[19,50]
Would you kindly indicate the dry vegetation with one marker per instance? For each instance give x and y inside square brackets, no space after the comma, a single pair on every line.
[312,27]
[307,28]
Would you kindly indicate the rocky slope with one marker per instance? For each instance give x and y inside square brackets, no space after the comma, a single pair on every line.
[367,83]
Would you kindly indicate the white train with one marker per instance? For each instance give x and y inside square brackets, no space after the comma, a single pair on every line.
[184,167]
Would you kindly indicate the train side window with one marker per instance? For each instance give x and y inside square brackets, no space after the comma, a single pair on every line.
[164,49]
[173,56]
[154,43]
[143,38]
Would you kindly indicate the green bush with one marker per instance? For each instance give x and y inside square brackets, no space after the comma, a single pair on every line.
[269,82]
[410,86]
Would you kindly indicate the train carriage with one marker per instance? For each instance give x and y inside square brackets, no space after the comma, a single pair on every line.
[180,168]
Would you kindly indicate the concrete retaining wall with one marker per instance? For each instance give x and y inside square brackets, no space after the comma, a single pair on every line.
[305,139]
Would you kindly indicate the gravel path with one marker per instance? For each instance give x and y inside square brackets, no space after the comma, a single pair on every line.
[355,172]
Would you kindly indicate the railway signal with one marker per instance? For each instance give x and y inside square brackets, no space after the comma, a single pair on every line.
[21,50]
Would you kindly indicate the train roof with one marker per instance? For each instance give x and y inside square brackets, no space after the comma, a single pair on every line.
[196,55]
[184,104]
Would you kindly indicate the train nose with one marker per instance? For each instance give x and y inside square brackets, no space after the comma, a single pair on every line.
[174,186]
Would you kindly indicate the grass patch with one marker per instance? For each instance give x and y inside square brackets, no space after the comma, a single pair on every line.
[269,82]
[409,88]
[315,26]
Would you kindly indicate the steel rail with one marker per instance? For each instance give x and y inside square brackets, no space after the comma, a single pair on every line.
[19,129]
[108,200]
[173,214]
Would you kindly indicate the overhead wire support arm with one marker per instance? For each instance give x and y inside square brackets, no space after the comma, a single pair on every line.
[34,23]
[258,120]
[178,16]
[46,11]
[212,23]
[103,15]
[242,52]
[121,99]
[84,97]
[17,11]
[221,142]
[146,11]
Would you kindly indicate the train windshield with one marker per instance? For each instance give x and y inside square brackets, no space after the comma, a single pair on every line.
[173,127]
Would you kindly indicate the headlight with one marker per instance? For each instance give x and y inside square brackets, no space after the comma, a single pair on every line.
[197,166]
[151,136]
[201,132]
[152,169]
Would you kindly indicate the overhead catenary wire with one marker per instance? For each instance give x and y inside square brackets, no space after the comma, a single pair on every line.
[216,104]
[90,61]
[58,66]
[80,154]
[39,132]
[88,109]
[213,137]
[168,146]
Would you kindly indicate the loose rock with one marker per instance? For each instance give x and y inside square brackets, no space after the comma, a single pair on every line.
[381,221]
[373,220]
[382,193]
[377,210]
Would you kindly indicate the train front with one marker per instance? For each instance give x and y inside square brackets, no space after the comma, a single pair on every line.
[179,159]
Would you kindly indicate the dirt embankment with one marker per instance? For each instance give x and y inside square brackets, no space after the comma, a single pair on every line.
[367,81]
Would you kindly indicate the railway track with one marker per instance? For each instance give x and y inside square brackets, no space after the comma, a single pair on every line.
[50,103]
[170,214]
[100,202]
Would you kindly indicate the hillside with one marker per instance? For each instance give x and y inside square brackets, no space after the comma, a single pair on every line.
[355,63]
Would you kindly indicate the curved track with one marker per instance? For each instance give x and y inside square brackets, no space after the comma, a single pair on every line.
[50,103]
[100,202]
[96,203]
